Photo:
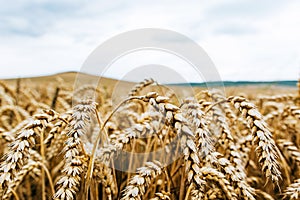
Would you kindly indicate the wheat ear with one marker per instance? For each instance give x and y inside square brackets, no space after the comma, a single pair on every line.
[238,181]
[6,136]
[292,151]
[69,183]
[162,196]
[31,165]
[213,175]
[293,190]
[138,87]
[262,138]
[18,153]
[138,183]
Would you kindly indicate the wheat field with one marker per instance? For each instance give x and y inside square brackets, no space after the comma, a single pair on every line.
[233,146]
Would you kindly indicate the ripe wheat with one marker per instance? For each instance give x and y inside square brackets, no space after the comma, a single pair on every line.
[56,145]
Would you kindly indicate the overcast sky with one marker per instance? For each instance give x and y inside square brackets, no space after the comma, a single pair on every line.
[246,39]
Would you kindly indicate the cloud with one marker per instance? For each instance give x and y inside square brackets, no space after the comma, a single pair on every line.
[246,9]
[247,40]
[234,30]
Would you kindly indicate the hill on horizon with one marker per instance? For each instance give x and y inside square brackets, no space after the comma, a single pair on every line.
[71,76]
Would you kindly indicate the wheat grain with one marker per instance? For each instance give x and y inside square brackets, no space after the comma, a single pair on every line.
[162,196]
[218,143]
[293,190]
[292,151]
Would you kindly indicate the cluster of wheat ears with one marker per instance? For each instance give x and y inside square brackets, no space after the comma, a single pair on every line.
[56,146]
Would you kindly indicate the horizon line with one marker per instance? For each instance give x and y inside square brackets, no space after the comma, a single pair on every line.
[172,83]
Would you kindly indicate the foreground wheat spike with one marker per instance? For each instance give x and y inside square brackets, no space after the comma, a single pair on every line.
[18,153]
[192,167]
[293,190]
[138,183]
[244,145]
[104,174]
[57,136]
[226,142]
[191,110]
[6,136]
[236,180]
[213,175]
[213,193]
[7,89]
[137,88]
[162,196]
[102,171]
[69,183]
[30,166]
[58,127]
[178,122]
[262,138]
[12,133]
[231,167]
[105,154]
[175,119]
[6,98]
[193,113]
[33,164]
[218,97]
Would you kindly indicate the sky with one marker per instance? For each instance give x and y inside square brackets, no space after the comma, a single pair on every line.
[250,40]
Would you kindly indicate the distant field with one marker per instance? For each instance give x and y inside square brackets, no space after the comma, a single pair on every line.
[247,83]
[268,88]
